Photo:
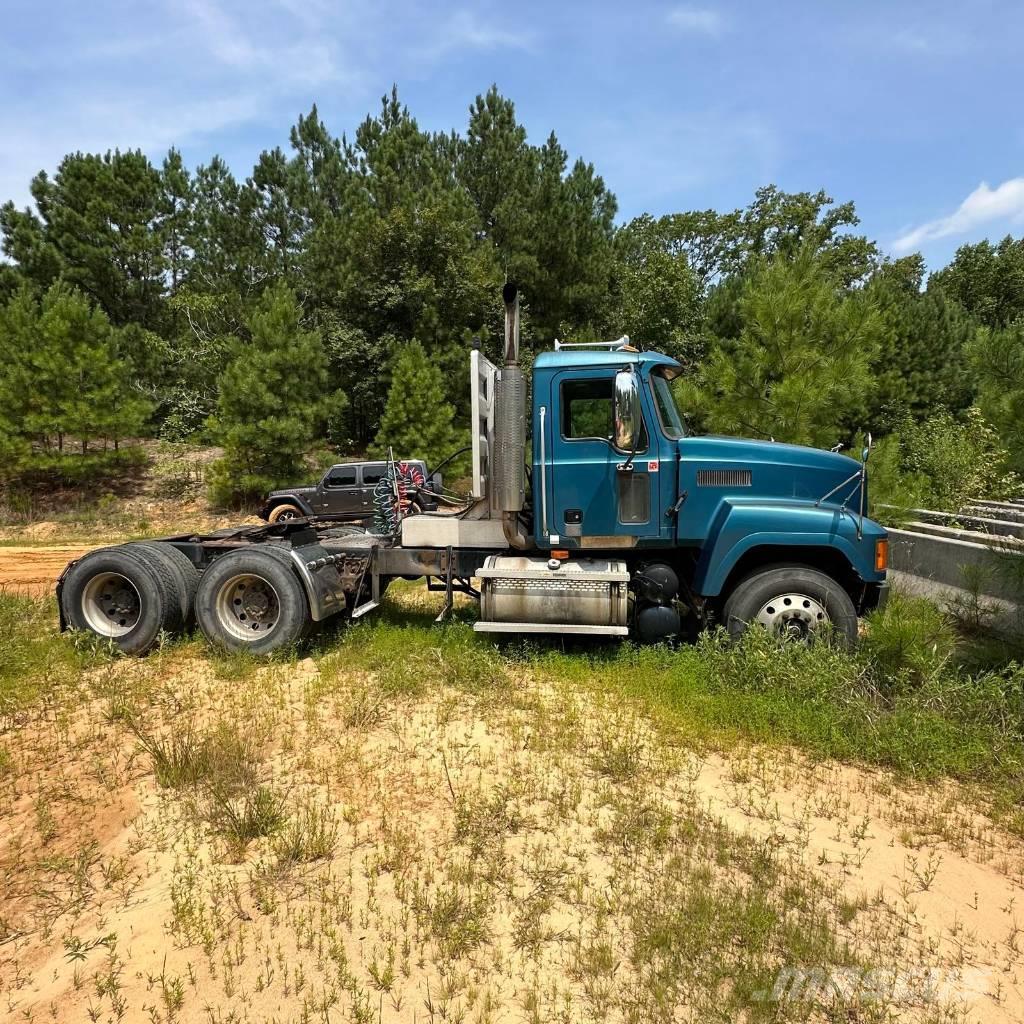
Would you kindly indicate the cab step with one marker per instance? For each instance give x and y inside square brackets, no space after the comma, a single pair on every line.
[549,627]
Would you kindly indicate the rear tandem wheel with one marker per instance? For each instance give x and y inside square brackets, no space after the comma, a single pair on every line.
[121,594]
[251,600]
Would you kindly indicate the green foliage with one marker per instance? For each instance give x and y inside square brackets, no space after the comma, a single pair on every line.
[901,700]
[776,223]
[920,366]
[909,644]
[550,226]
[987,280]
[998,358]
[35,660]
[273,401]
[790,322]
[959,461]
[417,422]
[96,228]
[798,362]
[658,295]
[892,490]
[940,463]
[64,380]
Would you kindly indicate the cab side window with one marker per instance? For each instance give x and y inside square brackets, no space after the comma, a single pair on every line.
[372,474]
[342,476]
[588,411]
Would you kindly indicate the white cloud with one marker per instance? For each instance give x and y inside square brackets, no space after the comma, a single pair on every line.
[466,30]
[984,205]
[213,75]
[698,20]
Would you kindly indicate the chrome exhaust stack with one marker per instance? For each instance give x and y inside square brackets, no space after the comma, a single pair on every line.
[510,428]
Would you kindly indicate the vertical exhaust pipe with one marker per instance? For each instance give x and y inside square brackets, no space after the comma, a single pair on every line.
[510,296]
[510,428]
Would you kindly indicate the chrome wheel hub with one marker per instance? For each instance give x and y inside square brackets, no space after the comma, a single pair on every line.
[110,604]
[248,607]
[792,616]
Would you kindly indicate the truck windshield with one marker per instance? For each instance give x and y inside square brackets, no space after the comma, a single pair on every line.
[668,411]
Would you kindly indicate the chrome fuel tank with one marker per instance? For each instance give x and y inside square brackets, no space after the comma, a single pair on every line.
[584,592]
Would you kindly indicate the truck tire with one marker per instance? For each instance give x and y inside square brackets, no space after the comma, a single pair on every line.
[118,594]
[284,512]
[251,600]
[792,601]
[185,574]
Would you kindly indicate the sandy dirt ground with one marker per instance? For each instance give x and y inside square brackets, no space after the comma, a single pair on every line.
[522,852]
[34,570]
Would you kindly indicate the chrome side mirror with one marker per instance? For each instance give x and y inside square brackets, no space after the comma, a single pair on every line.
[867,449]
[628,415]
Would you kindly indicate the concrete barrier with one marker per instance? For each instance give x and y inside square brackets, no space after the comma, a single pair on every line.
[965,521]
[1006,510]
[978,551]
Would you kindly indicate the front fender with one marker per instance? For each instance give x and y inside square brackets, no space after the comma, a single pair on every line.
[285,499]
[740,526]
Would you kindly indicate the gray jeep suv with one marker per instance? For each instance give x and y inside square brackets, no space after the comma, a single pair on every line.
[345,490]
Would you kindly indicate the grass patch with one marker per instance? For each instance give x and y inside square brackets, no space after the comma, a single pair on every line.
[35,660]
[309,836]
[911,698]
[902,700]
[407,654]
[238,820]
[222,760]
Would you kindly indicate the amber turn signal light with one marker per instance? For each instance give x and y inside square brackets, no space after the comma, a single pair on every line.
[560,555]
[881,555]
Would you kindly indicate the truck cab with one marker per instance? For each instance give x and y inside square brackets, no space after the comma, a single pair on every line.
[615,472]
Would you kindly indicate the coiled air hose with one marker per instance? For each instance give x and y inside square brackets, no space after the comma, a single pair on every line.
[391,501]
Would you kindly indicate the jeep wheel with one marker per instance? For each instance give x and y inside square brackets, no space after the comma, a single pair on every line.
[282,513]
[792,602]
[251,600]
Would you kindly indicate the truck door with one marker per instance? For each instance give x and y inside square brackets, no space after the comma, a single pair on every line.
[588,497]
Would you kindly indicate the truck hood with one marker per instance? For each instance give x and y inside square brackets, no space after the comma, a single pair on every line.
[776,470]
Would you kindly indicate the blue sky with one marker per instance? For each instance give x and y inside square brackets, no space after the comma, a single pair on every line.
[914,110]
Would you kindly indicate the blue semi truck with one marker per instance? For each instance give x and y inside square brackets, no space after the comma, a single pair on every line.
[618,523]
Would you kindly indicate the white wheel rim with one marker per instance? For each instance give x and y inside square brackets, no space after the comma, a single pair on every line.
[248,607]
[793,616]
[284,516]
[111,605]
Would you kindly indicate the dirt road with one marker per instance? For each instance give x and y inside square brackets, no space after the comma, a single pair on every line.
[34,570]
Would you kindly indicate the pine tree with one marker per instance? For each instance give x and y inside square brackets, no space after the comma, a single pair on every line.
[799,363]
[274,401]
[64,380]
[97,229]
[176,200]
[417,422]
[920,367]
[998,358]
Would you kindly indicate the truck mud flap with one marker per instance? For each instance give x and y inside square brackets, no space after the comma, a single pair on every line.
[59,590]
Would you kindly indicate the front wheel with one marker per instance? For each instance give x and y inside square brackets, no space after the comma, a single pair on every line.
[251,600]
[283,513]
[793,602]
